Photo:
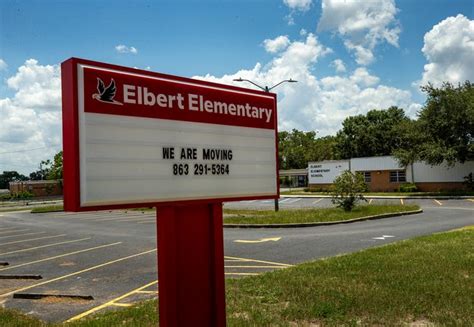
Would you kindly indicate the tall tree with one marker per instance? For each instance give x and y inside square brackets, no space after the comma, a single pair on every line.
[10,176]
[56,170]
[42,172]
[447,122]
[297,148]
[49,169]
[374,134]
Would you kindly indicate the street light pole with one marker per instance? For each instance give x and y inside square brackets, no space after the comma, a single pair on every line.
[267,89]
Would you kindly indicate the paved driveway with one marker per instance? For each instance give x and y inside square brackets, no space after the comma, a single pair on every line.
[89,262]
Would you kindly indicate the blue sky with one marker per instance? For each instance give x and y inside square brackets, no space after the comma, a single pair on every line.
[378,43]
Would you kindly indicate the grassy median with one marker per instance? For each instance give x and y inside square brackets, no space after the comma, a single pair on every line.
[426,281]
[44,209]
[310,215]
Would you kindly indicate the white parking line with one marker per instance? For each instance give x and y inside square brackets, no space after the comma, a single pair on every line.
[318,200]
[285,200]
[293,201]
[438,202]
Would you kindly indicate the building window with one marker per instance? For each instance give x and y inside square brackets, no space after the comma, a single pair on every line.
[398,176]
[367,176]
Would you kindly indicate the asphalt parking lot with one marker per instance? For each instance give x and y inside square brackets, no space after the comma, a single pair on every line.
[62,266]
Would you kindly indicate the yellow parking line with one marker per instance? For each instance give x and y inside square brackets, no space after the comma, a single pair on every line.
[76,273]
[257,267]
[122,304]
[45,246]
[35,233]
[261,261]
[33,239]
[438,202]
[472,200]
[111,302]
[401,201]
[14,231]
[318,200]
[60,256]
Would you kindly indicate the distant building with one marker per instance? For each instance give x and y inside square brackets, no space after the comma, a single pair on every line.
[38,188]
[294,177]
[385,175]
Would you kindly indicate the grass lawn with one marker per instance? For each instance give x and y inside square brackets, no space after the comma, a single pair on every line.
[309,215]
[425,280]
[53,208]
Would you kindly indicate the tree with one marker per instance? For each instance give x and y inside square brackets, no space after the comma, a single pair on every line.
[10,176]
[49,169]
[447,123]
[374,134]
[42,172]
[56,170]
[347,190]
[297,148]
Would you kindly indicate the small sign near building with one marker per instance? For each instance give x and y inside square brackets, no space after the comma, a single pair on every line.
[325,172]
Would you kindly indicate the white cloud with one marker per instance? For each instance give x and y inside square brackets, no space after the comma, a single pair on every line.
[3,64]
[362,77]
[338,64]
[301,5]
[318,104]
[31,119]
[361,24]
[449,49]
[125,49]
[277,44]
[36,86]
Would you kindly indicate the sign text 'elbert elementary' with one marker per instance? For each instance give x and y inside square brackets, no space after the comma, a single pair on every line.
[137,137]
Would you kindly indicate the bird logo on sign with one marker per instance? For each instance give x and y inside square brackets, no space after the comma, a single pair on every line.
[106,94]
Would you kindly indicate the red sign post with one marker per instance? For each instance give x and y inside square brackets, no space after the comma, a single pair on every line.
[134,138]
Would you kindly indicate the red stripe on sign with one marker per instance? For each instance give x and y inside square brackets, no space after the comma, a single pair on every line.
[118,93]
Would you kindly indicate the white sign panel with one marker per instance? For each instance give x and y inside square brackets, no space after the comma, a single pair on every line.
[144,137]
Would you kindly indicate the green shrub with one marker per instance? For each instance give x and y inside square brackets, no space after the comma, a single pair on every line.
[22,195]
[5,197]
[469,182]
[407,187]
[347,190]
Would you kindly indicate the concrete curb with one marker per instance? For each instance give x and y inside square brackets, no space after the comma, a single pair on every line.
[410,197]
[326,223]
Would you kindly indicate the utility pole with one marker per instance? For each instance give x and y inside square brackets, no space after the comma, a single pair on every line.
[267,89]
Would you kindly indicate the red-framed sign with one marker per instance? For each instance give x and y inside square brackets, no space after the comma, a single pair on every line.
[135,138]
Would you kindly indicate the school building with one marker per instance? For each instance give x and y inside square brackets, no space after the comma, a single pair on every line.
[38,188]
[384,174]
